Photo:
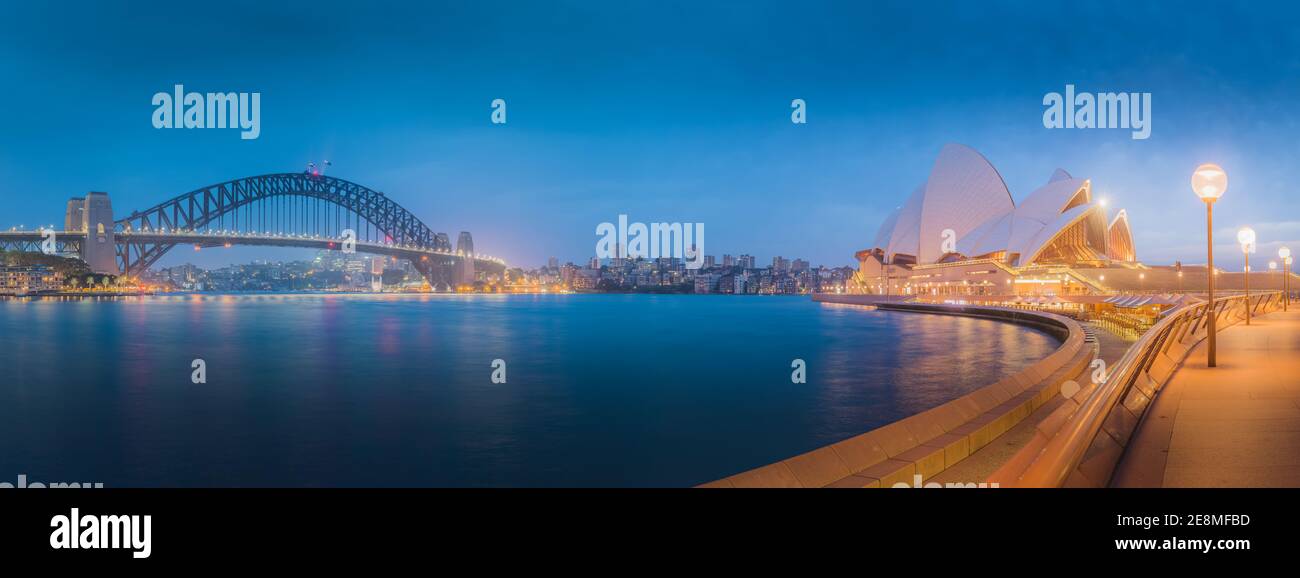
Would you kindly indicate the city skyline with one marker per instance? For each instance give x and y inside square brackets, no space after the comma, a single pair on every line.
[334,270]
[603,122]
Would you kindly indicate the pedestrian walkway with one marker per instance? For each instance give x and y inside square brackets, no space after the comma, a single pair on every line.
[1235,425]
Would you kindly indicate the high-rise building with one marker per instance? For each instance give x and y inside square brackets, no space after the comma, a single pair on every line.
[709,262]
[728,261]
[707,283]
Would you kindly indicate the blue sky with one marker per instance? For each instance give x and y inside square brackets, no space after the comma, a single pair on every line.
[665,111]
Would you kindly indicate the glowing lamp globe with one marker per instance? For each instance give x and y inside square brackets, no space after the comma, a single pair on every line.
[1246,237]
[1209,182]
[1284,253]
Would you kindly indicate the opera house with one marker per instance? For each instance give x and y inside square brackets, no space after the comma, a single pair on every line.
[961,234]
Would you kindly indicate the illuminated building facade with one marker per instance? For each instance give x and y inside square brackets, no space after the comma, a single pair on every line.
[961,233]
[28,279]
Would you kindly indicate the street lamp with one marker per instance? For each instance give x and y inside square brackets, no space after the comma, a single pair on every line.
[1209,182]
[1285,255]
[1286,271]
[1246,236]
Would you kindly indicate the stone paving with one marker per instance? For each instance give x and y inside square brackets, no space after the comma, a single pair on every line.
[1235,425]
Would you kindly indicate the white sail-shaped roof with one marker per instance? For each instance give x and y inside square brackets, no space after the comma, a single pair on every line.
[991,237]
[1030,249]
[905,236]
[1119,239]
[1059,175]
[1044,206]
[963,192]
[966,194]
[887,229]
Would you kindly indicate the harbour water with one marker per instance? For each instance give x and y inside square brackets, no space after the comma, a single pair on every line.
[390,390]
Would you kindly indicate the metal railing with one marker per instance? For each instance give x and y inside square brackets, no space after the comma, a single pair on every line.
[1065,450]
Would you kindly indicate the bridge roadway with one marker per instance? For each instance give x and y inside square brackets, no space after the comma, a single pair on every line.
[34,238]
[1235,425]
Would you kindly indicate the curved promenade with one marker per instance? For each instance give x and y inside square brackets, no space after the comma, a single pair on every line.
[1082,443]
[1235,425]
[932,441]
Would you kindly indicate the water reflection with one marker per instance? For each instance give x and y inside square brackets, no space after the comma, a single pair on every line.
[360,390]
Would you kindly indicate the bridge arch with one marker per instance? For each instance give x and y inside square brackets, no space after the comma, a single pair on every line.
[281,203]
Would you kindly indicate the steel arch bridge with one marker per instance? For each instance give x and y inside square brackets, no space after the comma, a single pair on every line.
[283,209]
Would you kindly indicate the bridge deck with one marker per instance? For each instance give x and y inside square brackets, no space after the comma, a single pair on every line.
[1236,425]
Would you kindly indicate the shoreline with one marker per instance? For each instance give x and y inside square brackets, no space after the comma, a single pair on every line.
[927,444]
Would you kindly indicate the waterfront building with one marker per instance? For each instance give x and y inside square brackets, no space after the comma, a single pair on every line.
[28,279]
[707,283]
[586,280]
[960,233]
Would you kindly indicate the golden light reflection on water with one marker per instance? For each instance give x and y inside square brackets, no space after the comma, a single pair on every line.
[304,387]
[933,359]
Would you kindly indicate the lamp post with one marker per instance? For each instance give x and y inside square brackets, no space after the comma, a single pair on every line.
[1246,236]
[1286,270]
[1209,182]
[1285,254]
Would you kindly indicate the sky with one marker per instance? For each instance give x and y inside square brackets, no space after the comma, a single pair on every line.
[663,111]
